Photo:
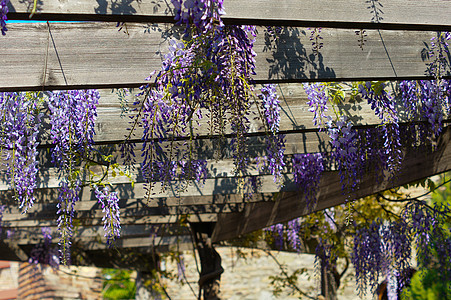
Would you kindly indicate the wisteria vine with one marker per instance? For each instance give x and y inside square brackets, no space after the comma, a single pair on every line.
[208,76]
[3,15]
[21,120]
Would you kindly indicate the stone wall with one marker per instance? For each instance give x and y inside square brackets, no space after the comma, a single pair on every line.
[249,278]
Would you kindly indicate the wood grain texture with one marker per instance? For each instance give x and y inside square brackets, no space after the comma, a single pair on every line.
[96,55]
[287,206]
[112,122]
[312,13]
[218,195]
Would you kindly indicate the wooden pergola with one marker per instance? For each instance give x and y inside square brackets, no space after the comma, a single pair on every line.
[86,50]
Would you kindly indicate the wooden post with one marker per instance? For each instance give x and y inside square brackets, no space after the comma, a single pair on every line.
[210,261]
[328,281]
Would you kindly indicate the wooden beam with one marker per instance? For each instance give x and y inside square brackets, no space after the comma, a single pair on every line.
[36,58]
[415,166]
[112,122]
[157,219]
[33,235]
[218,196]
[393,14]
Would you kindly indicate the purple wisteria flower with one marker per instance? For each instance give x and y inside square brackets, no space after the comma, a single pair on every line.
[202,13]
[3,17]
[367,257]
[18,138]
[110,207]
[277,232]
[383,105]
[307,171]
[344,145]
[194,78]
[438,52]
[69,194]
[275,143]
[271,107]
[397,244]
[317,103]
[73,116]
[293,234]
[44,253]
[2,210]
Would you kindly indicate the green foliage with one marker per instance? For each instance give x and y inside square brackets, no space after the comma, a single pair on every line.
[118,284]
[281,284]
[427,285]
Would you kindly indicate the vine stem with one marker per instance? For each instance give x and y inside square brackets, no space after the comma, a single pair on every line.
[293,286]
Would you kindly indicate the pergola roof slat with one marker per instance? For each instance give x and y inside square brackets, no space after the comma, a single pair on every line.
[96,55]
[403,14]
[415,166]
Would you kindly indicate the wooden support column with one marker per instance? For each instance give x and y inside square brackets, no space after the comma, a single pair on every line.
[210,260]
[143,288]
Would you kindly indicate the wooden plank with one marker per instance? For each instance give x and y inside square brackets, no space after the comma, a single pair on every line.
[33,235]
[112,123]
[320,13]
[219,195]
[287,206]
[104,57]
[138,207]
[158,219]
[95,216]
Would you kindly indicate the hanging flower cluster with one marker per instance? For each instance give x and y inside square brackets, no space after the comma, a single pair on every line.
[2,210]
[385,250]
[275,143]
[44,253]
[204,77]
[201,13]
[384,107]
[427,99]
[344,144]
[110,207]
[73,116]
[19,128]
[69,194]
[307,170]
[368,258]
[317,103]
[438,51]
[293,235]
[3,17]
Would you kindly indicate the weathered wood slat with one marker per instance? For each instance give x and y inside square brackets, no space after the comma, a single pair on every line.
[136,207]
[290,205]
[99,242]
[96,55]
[158,219]
[320,13]
[34,234]
[201,201]
[112,123]
[128,214]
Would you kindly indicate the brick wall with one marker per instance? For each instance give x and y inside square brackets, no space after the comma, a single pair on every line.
[8,280]
[41,282]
